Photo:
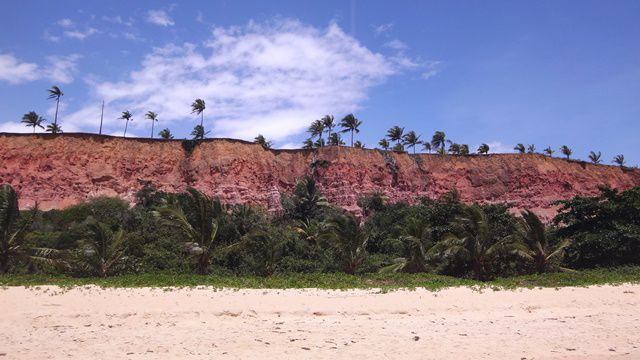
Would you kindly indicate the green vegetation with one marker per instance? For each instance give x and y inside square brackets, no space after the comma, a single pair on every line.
[126,116]
[150,115]
[33,120]
[55,93]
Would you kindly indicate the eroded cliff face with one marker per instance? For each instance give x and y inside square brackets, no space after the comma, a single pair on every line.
[61,170]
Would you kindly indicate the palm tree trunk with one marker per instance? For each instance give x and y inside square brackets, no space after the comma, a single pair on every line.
[125,128]
[55,121]
[351,138]
[152,123]
[201,118]
[34,129]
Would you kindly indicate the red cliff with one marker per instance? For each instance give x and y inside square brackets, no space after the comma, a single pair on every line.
[61,170]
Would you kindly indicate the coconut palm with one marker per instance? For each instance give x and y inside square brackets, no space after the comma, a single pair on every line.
[520,148]
[411,139]
[261,140]
[595,158]
[55,93]
[464,149]
[102,251]
[54,129]
[328,122]
[454,148]
[358,144]
[416,235]
[350,124]
[335,139]
[531,149]
[307,144]
[316,129]
[32,119]
[426,146]
[439,141]
[165,134]
[150,115]
[198,132]
[307,200]
[483,149]
[384,144]
[197,107]
[566,151]
[534,243]
[619,159]
[549,151]
[395,134]
[126,115]
[348,240]
[200,228]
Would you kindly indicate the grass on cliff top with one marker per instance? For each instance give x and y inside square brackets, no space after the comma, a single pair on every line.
[334,281]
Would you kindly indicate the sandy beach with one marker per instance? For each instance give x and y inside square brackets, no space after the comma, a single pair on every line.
[458,323]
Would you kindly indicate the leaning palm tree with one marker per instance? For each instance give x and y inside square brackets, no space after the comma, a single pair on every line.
[13,229]
[200,227]
[438,141]
[328,122]
[308,144]
[197,107]
[165,134]
[464,149]
[483,149]
[595,157]
[416,235]
[520,148]
[261,140]
[350,124]
[533,242]
[384,144]
[472,240]
[549,151]
[126,115]
[316,129]
[531,149]
[411,139]
[34,120]
[358,144]
[55,93]
[102,251]
[150,115]
[395,134]
[566,151]
[54,129]
[619,159]
[426,146]
[348,240]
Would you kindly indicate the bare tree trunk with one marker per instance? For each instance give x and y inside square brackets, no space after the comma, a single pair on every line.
[55,121]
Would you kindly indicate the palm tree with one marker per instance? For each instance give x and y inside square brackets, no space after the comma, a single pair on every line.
[200,228]
[335,139]
[473,241]
[352,124]
[54,128]
[316,129]
[126,115]
[464,149]
[165,134]
[549,151]
[412,140]
[416,235]
[438,141]
[34,120]
[307,200]
[358,144]
[55,93]
[102,252]
[197,107]
[483,149]
[619,159]
[454,148]
[348,241]
[261,140]
[520,148]
[595,158]
[13,230]
[426,146]
[328,123]
[384,144]
[531,233]
[395,134]
[531,149]
[153,117]
[198,132]
[566,151]
[307,144]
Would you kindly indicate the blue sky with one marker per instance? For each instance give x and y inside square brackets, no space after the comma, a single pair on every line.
[500,72]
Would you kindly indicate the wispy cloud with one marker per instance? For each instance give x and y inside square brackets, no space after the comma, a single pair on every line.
[396,44]
[65,23]
[58,68]
[383,29]
[15,71]
[80,34]
[159,17]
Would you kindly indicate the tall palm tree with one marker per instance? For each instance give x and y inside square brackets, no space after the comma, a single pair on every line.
[261,140]
[531,149]
[150,115]
[426,146]
[316,129]
[102,251]
[549,151]
[55,93]
[197,107]
[200,228]
[595,157]
[350,124]
[126,115]
[32,119]
[619,159]
[412,140]
[483,149]
[54,129]
[395,134]
[384,144]
[348,240]
[531,233]
[520,148]
[439,141]
[566,151]
[335,139]
[328,122]
[165,134]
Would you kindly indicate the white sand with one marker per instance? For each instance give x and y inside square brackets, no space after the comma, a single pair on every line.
[92,323]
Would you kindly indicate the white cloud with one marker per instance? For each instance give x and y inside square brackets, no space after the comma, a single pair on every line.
[159,17]
[59,69]
[396,44]
[80,35]
[118,20]
[52,38]
[14,71]
[432,68]
[65,23]
[497,147]
[383,29]
[270,78]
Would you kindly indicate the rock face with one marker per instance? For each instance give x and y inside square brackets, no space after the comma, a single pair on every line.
[61,170]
